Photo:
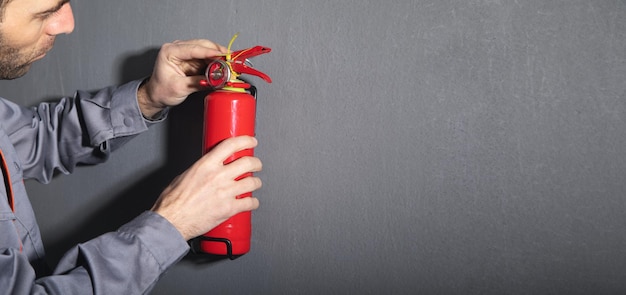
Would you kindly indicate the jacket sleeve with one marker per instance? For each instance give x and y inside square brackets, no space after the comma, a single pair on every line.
[56,137]
[128,261]
[84,129]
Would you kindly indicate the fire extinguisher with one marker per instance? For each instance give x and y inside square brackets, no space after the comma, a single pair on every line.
[230,111]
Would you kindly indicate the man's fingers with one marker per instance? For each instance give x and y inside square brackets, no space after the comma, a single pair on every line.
[245,185]
[193,49]
[242,165]
[247,204]
[229,146]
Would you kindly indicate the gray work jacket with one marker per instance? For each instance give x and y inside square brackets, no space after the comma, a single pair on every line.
[35,142]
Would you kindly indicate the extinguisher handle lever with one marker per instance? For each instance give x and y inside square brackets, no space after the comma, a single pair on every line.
[250,52]
[239,58]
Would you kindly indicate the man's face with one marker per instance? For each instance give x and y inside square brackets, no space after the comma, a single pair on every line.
[27,32]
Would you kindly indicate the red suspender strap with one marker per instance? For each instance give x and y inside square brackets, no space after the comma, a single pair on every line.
[8,185]
[7,181]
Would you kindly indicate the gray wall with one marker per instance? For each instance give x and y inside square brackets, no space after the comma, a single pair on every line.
[434,147]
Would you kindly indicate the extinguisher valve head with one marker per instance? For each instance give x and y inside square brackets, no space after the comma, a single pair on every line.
[224,70]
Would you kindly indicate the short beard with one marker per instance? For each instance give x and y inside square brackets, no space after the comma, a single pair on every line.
[8,72]
[11,66]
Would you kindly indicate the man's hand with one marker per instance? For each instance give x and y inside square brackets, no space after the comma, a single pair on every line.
[177,73]
[204,196]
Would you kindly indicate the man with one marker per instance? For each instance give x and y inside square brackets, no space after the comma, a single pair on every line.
[34,142]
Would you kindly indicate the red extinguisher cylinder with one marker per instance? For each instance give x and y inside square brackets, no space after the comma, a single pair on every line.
[229,114]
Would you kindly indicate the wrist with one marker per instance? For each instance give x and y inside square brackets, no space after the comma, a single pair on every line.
[149,109]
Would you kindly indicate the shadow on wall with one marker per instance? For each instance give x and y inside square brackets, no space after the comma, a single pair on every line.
[183,131]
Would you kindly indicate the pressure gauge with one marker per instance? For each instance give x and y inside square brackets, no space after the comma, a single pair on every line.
[217,74]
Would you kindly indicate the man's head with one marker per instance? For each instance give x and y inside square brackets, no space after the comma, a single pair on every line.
[27,31]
